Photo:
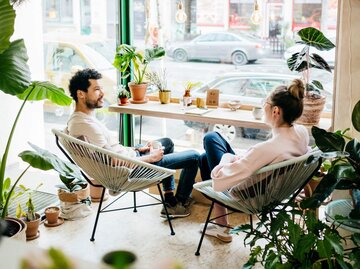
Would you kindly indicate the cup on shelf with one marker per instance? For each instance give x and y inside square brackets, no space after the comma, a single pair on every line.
[258,112]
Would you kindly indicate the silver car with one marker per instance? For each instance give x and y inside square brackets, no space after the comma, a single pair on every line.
[223,46]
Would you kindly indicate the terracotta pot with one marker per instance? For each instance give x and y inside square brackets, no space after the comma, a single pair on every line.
[95,192]
[33,227]
[123,101]
[138,91]
[312,110]
[164,97]
[52,214]
[76,196]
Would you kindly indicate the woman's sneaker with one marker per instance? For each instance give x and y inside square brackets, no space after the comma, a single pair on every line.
[221,233]
[176,211]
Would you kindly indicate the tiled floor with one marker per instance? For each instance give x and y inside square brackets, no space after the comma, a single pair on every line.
[145,233]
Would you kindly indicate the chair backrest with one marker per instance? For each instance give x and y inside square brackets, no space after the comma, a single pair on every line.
[113,171]
[267,187]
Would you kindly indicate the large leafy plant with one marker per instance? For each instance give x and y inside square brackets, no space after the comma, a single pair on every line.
[344,172]
[15,80]
[304,60]
[127,55]
[294,239]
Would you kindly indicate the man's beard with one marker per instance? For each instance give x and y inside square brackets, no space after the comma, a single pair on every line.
[94,104]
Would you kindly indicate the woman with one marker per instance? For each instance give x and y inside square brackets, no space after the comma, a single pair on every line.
[281,108]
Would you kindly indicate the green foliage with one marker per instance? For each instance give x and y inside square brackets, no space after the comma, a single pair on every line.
[69,173]
[29,215]
[127,55]
[123,93]
[304,60]
[294,239]
[15,80]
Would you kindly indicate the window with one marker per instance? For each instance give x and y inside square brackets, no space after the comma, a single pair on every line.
[59,11]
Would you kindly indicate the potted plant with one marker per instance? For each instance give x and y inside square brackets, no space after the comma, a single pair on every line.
[127,56]
[160,81]
[292,238]
[52,214]
[303,61]
[123,96]
[31,218]
[344,170]
[73,191]
[187,101]
[15,80]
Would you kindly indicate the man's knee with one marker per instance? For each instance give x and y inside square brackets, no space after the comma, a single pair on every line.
[209,138]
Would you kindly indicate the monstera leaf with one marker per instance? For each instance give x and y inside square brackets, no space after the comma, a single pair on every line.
[45,90]
[313,37]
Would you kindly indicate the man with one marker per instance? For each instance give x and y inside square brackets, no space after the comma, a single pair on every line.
[86,90]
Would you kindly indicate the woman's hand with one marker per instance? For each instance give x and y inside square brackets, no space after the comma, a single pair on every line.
[156,155]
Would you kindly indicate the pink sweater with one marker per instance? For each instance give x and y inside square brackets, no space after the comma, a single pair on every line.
[285,144]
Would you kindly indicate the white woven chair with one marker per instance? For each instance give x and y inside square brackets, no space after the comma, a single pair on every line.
[265,189]
[113,171]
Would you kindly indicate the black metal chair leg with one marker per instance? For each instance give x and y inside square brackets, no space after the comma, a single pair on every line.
[197,253]
[251,223]
[97,216]
[140,129]
[167,214]
[135,210]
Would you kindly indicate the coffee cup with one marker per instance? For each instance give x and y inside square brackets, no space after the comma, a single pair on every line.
[257,113]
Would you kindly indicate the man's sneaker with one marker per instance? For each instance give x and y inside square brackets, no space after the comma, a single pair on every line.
[177,211]
[189,202]
[221,233]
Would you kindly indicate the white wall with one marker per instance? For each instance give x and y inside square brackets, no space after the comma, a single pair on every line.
[28,25]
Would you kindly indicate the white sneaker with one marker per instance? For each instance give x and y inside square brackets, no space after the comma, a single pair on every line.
[221,233]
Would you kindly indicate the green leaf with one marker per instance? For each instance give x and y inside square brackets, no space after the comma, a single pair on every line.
[15,73]
[315,38]
[318,84]
[356,239]
[353,148]
[355,117]
[327,141]
[319,63]
[271,260]
[154,53]
[7,19]
[324,249]
[7,184]
[335,241]
[46,90]
[305,244]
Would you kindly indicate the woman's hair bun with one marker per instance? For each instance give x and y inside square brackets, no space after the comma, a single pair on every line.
[297,89]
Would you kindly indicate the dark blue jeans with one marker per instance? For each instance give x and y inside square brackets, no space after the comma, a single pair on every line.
[187,161]
[215,147]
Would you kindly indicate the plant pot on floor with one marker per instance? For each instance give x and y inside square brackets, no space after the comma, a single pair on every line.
[52,214]
[32,230]
[95,192]
[15,228]
[312,110]
[138,92]
[164,97]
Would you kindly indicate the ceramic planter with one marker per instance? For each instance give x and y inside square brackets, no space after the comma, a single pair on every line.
[138,91]
[52,214]
[16,228]
[312,111]
[164,97]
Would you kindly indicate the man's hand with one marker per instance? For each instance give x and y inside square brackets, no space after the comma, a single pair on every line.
[143,149]
[155,155]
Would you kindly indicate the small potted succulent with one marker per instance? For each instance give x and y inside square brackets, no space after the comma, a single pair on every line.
[160,81]
[52,214]
[127,56]
[123,96]
[31,218]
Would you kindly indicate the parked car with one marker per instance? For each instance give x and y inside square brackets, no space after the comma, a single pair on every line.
[249,88]
[328,55]
[222,46]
